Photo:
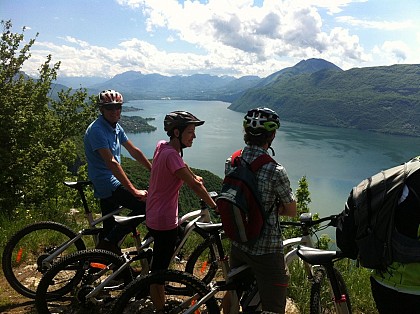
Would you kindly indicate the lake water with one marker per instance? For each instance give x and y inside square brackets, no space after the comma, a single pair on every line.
[333,160]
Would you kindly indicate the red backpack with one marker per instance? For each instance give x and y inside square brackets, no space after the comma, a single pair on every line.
[239,203]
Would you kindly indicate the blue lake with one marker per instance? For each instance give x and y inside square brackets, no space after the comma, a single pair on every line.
[333,160]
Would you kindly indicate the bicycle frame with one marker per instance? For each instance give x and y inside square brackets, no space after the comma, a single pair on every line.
[47,262]
[293,244]
[201,215]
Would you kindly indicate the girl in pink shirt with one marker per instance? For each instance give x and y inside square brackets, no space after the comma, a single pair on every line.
[168,174]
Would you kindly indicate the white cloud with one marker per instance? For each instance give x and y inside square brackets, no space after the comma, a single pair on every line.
[397,49]
[230,37]
[382,25]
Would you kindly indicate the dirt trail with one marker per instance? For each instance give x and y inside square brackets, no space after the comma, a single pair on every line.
[16,303]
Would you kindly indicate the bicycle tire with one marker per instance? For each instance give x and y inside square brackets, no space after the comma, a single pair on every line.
[203,262]
[344,307]
[324,304]
[315,299]
[24,252]
[64,286]
[135,297]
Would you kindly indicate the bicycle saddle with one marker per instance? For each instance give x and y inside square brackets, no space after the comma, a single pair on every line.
[209,227]
[125,220]
[316,256]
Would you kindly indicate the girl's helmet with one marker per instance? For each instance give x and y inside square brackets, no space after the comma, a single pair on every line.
[179,120]
[261,120]
[110,96]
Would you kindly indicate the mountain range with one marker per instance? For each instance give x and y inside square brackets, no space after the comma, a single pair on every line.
[383,99]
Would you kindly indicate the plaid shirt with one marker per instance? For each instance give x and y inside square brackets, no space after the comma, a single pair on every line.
[273,184]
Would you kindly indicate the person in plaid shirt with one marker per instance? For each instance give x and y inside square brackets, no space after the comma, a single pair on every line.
[265,256]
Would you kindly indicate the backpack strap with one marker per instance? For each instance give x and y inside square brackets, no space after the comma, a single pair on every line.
[234,158]
[255,165]
[261,161]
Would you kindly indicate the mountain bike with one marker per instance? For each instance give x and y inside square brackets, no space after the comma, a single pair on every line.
[96,277]
[33,249]
[240,281]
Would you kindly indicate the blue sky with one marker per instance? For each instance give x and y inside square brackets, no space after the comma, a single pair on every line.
[219,37]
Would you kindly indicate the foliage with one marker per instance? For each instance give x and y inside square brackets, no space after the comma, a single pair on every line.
[36,131]
[303,199]
[303,196]
[358,285]
[381,99]
[136,124]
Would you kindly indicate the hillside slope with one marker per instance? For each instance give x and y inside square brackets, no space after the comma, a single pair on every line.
[382,99]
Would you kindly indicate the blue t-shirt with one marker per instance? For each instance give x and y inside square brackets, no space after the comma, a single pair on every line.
[100,134]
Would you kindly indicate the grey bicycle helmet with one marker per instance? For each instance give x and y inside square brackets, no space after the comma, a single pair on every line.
[261,120]
[179,120]
[110,96]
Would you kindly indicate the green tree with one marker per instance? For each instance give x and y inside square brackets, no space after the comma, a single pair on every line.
[303,200]
[37,132]
[303,196]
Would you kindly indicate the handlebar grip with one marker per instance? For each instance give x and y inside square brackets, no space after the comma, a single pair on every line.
[332,218]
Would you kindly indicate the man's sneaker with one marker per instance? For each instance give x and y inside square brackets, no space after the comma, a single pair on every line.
[109,246]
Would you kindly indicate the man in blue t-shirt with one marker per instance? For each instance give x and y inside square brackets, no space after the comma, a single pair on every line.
[102,141]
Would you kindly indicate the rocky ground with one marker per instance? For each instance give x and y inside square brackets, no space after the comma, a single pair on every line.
[11,302]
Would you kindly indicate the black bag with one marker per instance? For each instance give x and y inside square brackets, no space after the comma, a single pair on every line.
[365,228]
[239,203]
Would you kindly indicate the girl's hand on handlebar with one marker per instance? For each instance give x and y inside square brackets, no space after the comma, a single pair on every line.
[141,194]
[198,178]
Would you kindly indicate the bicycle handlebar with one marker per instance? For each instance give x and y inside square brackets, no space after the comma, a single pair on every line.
[306,220]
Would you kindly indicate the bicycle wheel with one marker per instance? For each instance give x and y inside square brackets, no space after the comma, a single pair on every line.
[136,299]
[64,287]
[25,251]
[203,262]
[322,297]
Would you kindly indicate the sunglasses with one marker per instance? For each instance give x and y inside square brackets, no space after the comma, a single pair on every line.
[112,106]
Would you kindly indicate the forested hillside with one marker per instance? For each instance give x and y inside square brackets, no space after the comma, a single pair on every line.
[381,99]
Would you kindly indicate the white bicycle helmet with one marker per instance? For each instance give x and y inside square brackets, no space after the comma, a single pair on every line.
[261,120]
[110,96]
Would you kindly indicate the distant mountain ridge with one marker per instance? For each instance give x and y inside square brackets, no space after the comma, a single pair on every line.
[135,85]
[314,91]
[383,99]
[304,66]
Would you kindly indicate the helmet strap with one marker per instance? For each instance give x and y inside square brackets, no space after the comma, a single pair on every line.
[179,137]
[182,153]
[270,141]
